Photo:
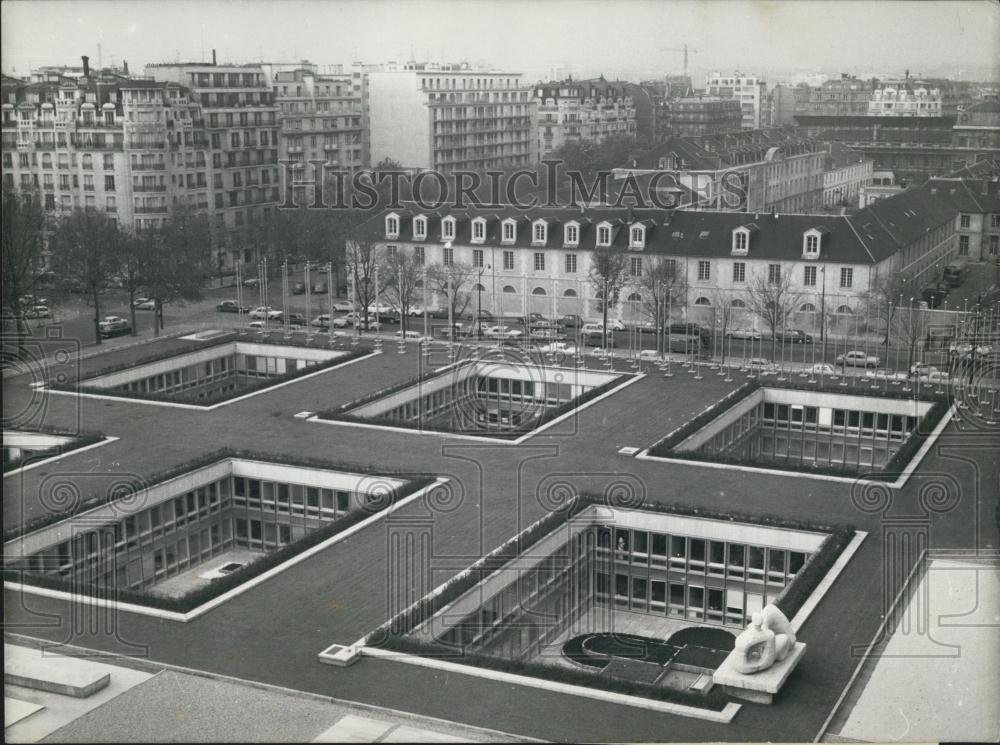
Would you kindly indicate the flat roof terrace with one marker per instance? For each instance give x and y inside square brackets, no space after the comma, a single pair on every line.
[340,593]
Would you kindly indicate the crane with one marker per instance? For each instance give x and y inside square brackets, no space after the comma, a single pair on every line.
[680,49]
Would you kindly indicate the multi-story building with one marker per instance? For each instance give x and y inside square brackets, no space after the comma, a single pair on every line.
[845,173]
[132,149]
[749,90]
[649,98]
[784,100]
[845,96]
[320,115]
[451,116]
[582,111]
[241,123]
[977,224]
[976,134]
[704,115]
[883,184]
[745,171]
[904,98]
[541,260]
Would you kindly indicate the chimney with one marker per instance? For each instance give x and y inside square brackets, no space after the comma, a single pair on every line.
[125,66]
[86,66]
[214,63]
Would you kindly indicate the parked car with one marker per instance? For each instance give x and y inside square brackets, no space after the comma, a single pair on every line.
[265,312]
[615,325]
[484,315]
[251,282]
[597,340]
[558,347]
[793,336]
[760,364]
[823,368]
[113,326]
[857,358]
[410,335]
[503,332]
[341,322]
[319,288]
[966,349]
[752,334]
[29,300]
[143,303]
[546,334]
[296,319]
[231,306]
[570,322]
[299,288]
[321,321]
[544,325]
[343,306]
[38,311]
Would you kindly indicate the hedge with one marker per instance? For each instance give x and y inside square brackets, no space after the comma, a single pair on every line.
[260,384]
[78,441]
[342,413]
[714,700]
[665,448]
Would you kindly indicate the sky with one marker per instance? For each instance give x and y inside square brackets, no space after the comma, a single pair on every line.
[627,38]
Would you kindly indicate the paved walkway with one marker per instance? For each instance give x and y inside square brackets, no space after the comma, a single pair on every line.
[273,632]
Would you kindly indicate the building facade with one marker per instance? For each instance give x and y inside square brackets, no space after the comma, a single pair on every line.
[846,96]
[977,224]
[976,134]
[541,261]
[450,116]
[241,124]
[704,115]
[904,98]
[749,90]
[582,111]
[131,149]
[845,174]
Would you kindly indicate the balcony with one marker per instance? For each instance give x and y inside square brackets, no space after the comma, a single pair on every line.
[149,166]
[151,210]
[155,188]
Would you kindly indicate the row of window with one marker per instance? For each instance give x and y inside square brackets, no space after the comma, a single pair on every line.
[539,235]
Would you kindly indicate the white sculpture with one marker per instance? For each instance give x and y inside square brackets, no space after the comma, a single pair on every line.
[768,638]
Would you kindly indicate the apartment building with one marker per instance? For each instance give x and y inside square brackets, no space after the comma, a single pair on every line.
[130,148]
[541,260]
[768,170]
[977,222]
[904,98]
[846,173]
[704,115]
[843,96]
[749,90]
[451,116]
[976,134]
[241,124]
[582,111]
[321,115]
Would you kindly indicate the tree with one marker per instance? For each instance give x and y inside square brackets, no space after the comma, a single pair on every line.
[910,327]
[86,253]
[724,313]
[130,261]
[174,260]
[771,298]
[886,295]
[455,283]
[362,259]
[607,276]
[401,275]
[659,275]
[23,239]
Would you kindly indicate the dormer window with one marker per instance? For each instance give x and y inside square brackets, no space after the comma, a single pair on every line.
[419,228]
[740,242]
[637,237]
[571,234]
[508,233]
[478,230]
[539,232]
[603,235]
[392,226]
[812,243]
[448,228]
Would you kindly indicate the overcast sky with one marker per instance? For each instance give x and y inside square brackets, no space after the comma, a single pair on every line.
[616,37]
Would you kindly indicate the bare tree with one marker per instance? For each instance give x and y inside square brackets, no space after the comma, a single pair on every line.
[454,282]
[909,326]
[23,239]
[402,275]
[770,297]
[887,294]
[86,251]
[661,278]
[607,276]
[724,313]
[363,257]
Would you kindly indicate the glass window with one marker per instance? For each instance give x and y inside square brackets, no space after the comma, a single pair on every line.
[659,544]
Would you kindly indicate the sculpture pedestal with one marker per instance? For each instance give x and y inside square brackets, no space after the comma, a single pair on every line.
[757,687]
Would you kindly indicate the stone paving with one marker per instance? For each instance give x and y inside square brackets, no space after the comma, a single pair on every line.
[273,632]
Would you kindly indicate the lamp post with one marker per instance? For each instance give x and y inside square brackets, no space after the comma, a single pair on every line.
[451,307]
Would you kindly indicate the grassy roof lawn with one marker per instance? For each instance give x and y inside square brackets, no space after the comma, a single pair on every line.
[77,441]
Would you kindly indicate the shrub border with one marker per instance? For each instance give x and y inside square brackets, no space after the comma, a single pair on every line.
[263,384]
[190,601]
[665,448]
[342,412]
[838,537]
